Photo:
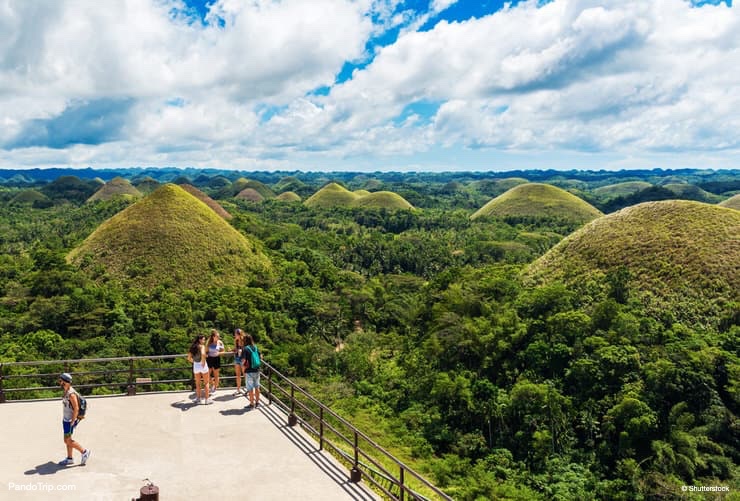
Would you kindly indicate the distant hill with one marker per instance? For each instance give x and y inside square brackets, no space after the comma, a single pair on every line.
[250,194]
[288,196]
[116,187]
[217,208]
[146,184]
[691,192]
[732,202]
[620,189]
[381,200]
[71,189]
[682,258]
[170,237]
[535,201]
[334,195]
[331,195]
[29,197]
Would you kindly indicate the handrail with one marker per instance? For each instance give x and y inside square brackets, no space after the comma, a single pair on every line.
[353,447]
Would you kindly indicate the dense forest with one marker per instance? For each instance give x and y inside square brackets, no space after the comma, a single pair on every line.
[437,333]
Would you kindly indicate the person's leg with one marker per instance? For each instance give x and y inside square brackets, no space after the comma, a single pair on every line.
[238,377]
[196,376]
[215,378]
[257,389]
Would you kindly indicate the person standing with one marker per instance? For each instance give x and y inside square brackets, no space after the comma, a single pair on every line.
[70,419]
[215,349]
[252,370]
[197,355]
[238,360]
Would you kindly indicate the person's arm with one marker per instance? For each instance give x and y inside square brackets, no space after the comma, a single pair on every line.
[220,347]
[75,402]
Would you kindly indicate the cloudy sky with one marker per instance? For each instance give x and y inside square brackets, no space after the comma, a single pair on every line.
[370,85]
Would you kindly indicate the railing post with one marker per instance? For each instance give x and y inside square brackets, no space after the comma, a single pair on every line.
[355,475]
[321,428]
[269,385]
[292,418]
[400,483]
[131,388]
[2,392]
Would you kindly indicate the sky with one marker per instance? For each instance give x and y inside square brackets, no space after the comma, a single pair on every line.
[370,85]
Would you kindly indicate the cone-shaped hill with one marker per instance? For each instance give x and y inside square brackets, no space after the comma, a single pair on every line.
[29,197]
[288,196]
[682,259]
[334,195]
[116,187]
[539,201]
[331,195]
[170,237]
[250,194]
[382,200]
[732,202]
[206,200]
[146,184]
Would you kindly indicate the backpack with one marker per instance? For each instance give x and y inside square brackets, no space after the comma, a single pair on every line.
[254,357]
[82,406]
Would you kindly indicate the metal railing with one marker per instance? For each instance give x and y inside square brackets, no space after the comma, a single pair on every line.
[364,458]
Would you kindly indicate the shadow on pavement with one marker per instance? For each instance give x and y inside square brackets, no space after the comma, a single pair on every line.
[48,468]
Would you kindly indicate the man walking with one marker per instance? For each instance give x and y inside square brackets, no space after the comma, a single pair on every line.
[71,404]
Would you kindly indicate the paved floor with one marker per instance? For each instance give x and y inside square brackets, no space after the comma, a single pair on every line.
[188,451]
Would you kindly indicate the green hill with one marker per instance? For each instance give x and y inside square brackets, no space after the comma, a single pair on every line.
[538,201]
[206,200]
[691,192]
[382,200]
[620,189]
[29,197]
[116,187]
[146,184]
[331,195]
[732,202]
[71,189]
[682,258]
[170,237]
[288,196]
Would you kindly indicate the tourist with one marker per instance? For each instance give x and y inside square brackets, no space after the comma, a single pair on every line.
[70,419]
[252,370]
[197,355]
[238,361]
[215,350]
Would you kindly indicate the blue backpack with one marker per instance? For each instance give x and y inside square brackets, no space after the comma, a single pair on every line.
[254,357]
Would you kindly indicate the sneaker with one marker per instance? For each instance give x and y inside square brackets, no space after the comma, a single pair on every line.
[85,455]
[208,401]
[257,404]
[195,400]
[66,462]
[203,401]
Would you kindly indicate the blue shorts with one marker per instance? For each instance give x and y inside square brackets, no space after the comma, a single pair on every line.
[237,361]
[253,380]
[68,428]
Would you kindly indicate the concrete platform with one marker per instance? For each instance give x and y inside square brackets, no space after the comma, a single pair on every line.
[218,451]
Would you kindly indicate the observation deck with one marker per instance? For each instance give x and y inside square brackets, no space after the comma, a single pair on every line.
[189,451]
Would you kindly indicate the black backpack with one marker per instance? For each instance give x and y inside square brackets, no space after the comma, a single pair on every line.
[81,406]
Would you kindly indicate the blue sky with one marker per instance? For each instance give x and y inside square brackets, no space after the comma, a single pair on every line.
[370,84]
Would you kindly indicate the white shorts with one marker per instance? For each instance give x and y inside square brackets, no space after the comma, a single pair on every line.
[200,368]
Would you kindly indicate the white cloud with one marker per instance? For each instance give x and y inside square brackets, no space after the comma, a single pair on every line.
[627,77]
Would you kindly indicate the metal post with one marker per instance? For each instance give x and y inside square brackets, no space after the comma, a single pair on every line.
[2,392]
[131,388]
[321,428]
[355,475]
[269,386]
[292,418]
[400,480]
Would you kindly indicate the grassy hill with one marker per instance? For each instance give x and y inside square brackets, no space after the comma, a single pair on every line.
[535,201]
[217,208]
[691,192]
[732,202]
[116,187]
[620,189]
[28,197]
[250,194]
[382,200]
[288,196]
[170,237]
[682,259]
[331,195]
[146,184]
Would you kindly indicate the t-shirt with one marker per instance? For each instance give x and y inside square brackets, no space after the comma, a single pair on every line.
[67,404]
[215,348]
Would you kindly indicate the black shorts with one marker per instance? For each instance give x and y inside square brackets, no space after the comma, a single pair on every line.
[213,362]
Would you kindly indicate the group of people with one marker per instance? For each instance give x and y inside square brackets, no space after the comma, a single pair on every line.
[206,359]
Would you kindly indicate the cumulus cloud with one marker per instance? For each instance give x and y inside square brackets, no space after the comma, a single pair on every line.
[254,84]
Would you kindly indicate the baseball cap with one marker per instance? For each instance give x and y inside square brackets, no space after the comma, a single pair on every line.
[65,376]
